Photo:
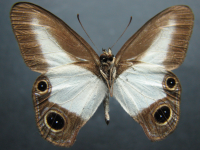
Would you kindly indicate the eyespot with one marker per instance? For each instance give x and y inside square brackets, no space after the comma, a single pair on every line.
[54,121]
[42,86]
[162,114]
[171,82]
[103,58]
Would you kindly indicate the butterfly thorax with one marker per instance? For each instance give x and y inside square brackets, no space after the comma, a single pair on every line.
[107,68]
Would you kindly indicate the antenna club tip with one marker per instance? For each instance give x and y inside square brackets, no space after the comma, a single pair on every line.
[77,15]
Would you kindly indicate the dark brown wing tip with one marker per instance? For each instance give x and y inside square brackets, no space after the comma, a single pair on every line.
[184,7]
[18,4]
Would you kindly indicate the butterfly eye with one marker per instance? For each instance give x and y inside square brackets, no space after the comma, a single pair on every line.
[110,58]
[55,121]
[162,114]
[103,58]
[42,86]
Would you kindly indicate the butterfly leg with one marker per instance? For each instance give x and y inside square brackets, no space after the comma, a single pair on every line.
[106,78]
[113,79]
[106,109]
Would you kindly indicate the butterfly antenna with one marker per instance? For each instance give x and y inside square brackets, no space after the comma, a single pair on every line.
[86,32]
[123,32]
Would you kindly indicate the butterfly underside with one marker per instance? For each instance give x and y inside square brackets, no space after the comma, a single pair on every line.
[74,80]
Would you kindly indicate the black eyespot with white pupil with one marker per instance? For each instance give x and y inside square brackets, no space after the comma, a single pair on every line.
[42,86]
[171,82]
[162,114]
[55,121]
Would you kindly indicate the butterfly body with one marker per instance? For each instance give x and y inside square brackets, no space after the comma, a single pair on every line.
[74,80]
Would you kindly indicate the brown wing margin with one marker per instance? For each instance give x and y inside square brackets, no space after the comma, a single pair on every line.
[21,16]
[142,39]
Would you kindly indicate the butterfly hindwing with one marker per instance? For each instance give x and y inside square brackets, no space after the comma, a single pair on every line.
[72,93]
[143,91]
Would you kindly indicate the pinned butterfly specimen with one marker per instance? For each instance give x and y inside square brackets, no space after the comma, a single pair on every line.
[74,80]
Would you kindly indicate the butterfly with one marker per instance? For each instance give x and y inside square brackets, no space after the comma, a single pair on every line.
[74,80]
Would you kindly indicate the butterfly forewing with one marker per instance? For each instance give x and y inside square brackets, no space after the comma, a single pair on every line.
[163,40]
[46,41]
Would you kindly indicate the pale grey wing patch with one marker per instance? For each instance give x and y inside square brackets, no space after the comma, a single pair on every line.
[53,53]
[157,52]
[139,86]
[76,89]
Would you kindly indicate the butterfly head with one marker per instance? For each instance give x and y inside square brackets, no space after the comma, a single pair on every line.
[107,57]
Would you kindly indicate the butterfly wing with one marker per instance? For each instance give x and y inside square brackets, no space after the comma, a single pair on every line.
[69,100]
[163,40]
[67,93]
[145,87]
[46,41]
